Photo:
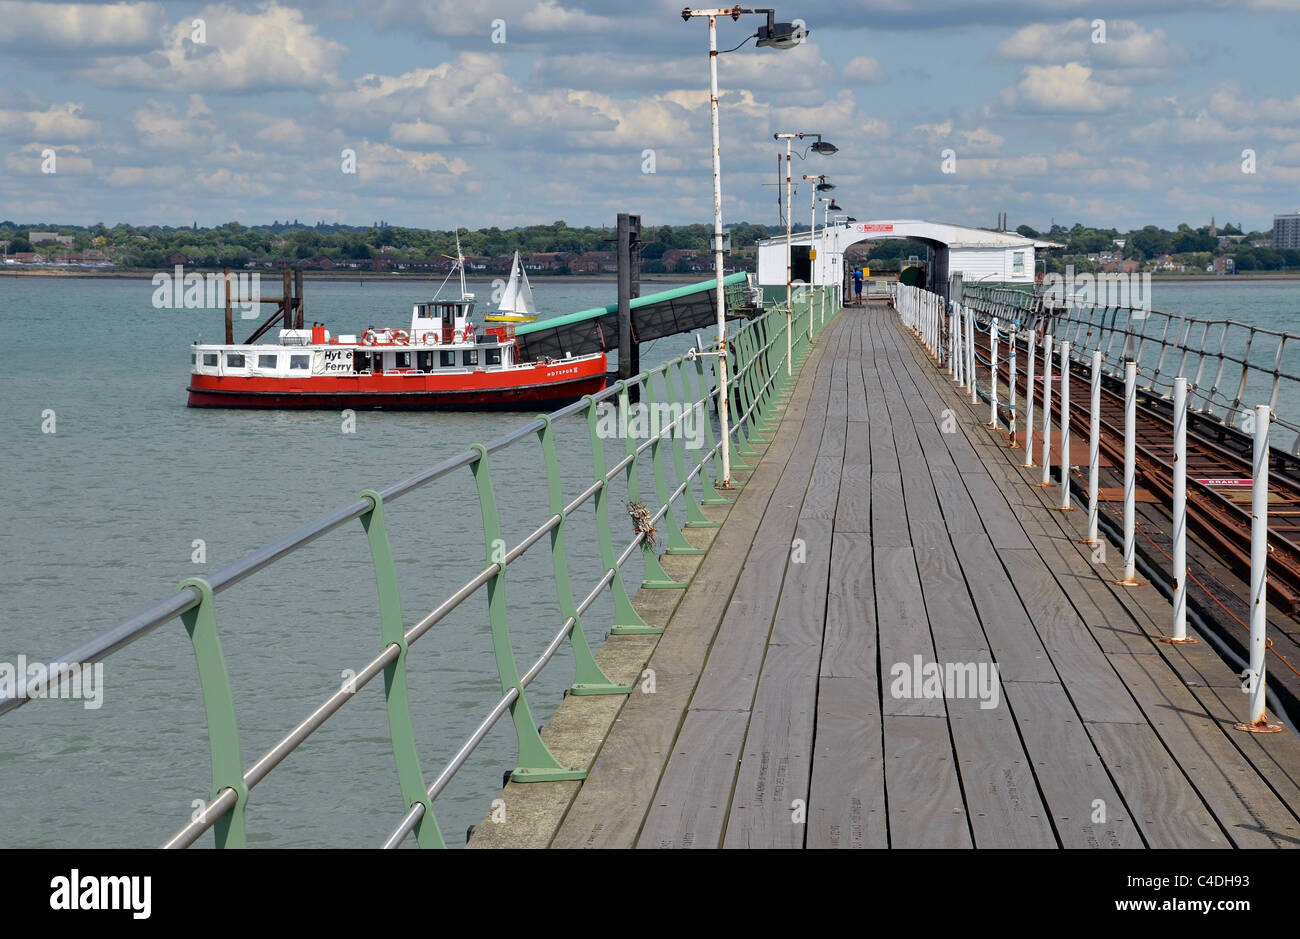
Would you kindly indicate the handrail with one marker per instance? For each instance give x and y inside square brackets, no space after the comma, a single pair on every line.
[756,361]
[1166,345]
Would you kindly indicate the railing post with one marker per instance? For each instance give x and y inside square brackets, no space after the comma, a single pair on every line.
[1180,514]
[677,543]
[1257,722]
[993,373]
[1013,335]
[536,762]
[711,494]
[1065,428]
[1130,474]
[410,779]
[627,621]
[1030,347]
[970,351]
[695,517]
[219,710]
[1094,447]
[588,676]
[1047,412]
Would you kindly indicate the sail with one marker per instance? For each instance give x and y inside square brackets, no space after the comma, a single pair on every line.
[518,296]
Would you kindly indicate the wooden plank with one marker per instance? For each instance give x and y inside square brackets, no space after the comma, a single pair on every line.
[853,505]
[953,621]
[1243,803]
[849,647]
[846,802]
[777,757]
[823,488]
[1002,798]
[1071,775]
[1166,807]
[801,612]
[888,511]
[925,801]
[690,805]
[1010,633]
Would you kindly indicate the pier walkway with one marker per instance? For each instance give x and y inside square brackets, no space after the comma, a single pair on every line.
[885,527]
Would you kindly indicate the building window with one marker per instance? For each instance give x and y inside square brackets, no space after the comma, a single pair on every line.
[210,359]
[469,357]
[492,356]
[1017,262]
[299,361]
[448,359]
[266,361]
[234,360]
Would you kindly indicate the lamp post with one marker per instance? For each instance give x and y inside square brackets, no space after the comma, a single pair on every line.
[776,36]
[826,218]
[823,147]
[821,186]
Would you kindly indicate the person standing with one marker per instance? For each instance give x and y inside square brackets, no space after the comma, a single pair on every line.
[857,285]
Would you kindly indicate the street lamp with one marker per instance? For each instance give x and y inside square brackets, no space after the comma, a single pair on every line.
[774,35]
[826,149]
[812,240]
[830,206]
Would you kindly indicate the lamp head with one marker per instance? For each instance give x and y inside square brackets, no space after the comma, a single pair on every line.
[776,35]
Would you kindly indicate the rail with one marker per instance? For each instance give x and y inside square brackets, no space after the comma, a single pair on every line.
[755,354]
[1226,362]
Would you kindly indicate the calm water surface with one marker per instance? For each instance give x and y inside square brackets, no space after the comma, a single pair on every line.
[101,520]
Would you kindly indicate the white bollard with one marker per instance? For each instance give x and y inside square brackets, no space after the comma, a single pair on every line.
[1258,675]
[993,372]
[1047,412]
[1065,428]
[1130,474]
[1094,446]
[1029,403]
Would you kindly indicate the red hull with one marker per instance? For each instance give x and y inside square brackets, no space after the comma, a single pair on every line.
[558,383]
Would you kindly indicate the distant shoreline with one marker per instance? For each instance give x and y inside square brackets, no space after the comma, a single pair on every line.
[147,274]
[394,276]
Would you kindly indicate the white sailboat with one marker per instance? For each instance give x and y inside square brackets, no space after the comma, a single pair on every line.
[517,301]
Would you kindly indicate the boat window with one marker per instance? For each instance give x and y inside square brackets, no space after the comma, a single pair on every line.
[300,361]
[403,360]
[361,361]
[447,359]
[493,356]
[266,361]
[234,360]
[424,361]
[210,359]
[470,357]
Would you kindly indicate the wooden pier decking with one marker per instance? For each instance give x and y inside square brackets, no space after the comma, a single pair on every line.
[772,722]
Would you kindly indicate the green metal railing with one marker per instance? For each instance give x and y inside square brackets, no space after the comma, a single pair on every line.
[758,386]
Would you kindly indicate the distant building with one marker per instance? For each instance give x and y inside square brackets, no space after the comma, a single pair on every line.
[1224,265]
[1286,231]
[49,237]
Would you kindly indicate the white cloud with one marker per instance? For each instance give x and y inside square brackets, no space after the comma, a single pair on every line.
[1065,88]
[40,27]
[58,122]
[269,49]
[864,70]
[457,18]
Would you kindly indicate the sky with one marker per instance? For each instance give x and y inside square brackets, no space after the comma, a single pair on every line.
[474,113]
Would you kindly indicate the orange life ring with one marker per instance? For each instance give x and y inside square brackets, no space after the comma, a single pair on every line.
[368,338]
[469,334]
[401,336]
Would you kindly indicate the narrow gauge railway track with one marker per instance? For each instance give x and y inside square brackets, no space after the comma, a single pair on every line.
[1214,451]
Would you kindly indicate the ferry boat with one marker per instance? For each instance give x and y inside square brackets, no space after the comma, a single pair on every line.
[440,361]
